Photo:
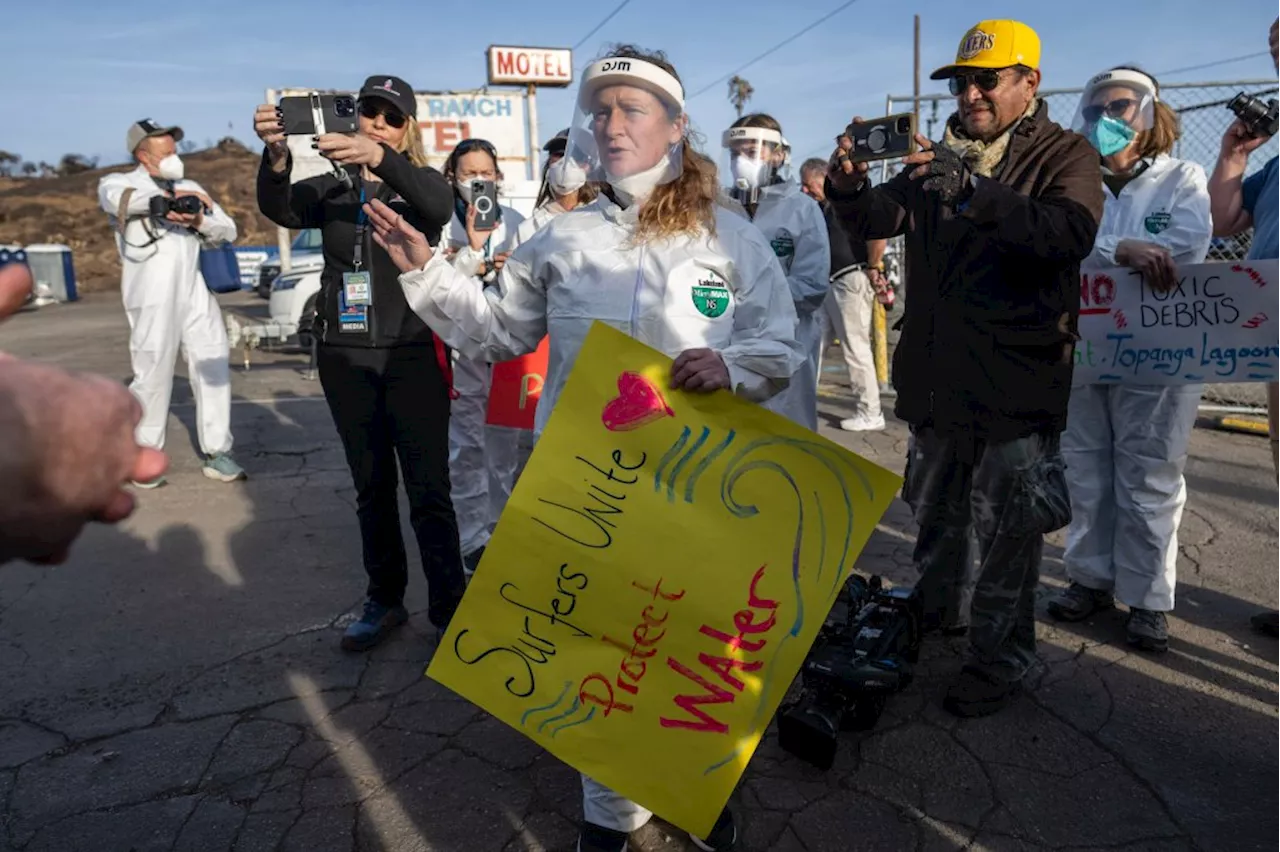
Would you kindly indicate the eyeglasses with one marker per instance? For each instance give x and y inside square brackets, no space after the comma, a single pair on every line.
[1113,109]
[986,80]
[393,117]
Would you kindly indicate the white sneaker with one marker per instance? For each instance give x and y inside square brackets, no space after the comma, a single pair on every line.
[863,423]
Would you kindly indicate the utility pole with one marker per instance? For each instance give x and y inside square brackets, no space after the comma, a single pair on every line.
[915,86]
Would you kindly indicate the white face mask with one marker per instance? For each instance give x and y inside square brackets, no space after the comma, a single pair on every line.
[171,168]
[565,176]
[748,173]
[464,190]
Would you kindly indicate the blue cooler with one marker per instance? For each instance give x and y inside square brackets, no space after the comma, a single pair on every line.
[52,268]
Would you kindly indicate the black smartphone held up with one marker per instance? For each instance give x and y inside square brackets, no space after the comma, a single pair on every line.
[883,138]
[484,196]
[316,114]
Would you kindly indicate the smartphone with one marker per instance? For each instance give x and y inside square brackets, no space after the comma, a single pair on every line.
[484,196]
[883,138]
[316,114]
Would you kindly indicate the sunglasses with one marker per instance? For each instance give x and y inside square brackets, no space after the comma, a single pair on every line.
[393,117]
[986,80]
[1113,109]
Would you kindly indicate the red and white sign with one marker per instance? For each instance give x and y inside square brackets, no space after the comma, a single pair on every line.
[545,66]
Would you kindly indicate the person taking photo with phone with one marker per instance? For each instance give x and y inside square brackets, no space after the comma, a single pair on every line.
[386,377]
[655,255]
[793,224]
[997,218]
[1241,203]
[161,220]
[482,458]
[1126,445]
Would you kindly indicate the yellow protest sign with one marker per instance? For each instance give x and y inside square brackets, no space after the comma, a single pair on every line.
[657,578]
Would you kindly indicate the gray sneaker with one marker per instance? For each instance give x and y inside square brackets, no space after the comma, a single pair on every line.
[1148,630]
[222,467]
[1079,602]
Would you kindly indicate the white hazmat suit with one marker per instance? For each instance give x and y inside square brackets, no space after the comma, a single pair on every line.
[168,305]
[1126,445]
[792,223]
[482,458]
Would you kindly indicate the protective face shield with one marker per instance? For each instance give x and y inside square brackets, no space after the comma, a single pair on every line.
[1116,106]
[784,171]
[754,155]
[628,126]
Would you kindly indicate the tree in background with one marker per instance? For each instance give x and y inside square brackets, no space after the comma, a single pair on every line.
[9,164]
[29,169]
[740,91]
[74,164]
[186,146]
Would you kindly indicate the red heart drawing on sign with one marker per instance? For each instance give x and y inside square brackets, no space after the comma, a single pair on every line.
[637,404]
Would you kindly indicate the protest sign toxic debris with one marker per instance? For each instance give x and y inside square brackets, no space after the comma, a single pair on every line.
[657,578]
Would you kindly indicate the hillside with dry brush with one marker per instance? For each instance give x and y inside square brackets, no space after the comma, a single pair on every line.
[65,210]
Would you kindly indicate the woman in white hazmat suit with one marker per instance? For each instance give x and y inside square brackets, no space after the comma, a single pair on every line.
[482,458]
[793,224]
[1126,445]
[654,256]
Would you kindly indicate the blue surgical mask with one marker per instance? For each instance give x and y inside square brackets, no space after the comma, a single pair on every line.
[1111,135]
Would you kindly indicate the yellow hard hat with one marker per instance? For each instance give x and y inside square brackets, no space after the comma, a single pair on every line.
[994,44]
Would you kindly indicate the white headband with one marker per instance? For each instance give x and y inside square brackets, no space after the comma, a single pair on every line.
[1125,75]
[630,71]
[764,134]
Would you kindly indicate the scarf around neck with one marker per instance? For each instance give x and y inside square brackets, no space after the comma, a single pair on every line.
[982,158]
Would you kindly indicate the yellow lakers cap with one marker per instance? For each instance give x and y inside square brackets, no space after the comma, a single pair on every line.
[994,44]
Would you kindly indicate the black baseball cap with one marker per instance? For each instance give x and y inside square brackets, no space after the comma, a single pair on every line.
[391,89]
[556,144]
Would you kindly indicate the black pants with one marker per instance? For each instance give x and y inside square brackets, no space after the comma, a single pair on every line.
[390,403]
[1007,495]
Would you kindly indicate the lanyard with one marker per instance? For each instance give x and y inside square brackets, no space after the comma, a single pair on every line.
[361,220]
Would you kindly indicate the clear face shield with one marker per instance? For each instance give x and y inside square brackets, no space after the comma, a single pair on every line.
[628,126]
[752,158]
[1116,106]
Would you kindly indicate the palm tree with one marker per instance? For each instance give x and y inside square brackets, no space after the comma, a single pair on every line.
[740,91]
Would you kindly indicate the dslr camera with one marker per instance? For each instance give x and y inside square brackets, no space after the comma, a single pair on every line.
[163,205]
[864,653]
[1261,118]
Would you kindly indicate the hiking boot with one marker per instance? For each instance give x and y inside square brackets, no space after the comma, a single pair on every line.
[976,693]
[1265,622]
[863,423]
[597,838]
[1079,602]
[723,836]
[150,484]
[376,624]
[1148,630]
[222,467]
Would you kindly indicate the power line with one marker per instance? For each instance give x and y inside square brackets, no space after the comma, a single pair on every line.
[773,49]
[1213,64]
[597,27]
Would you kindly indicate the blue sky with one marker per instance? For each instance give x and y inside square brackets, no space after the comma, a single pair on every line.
[205,66]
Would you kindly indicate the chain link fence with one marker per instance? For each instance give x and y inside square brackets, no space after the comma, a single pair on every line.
[1202,110]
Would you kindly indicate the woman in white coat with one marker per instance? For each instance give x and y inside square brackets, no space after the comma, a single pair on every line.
[1126,445]
[564,187]
[654,256]
[482,458]
[793,224]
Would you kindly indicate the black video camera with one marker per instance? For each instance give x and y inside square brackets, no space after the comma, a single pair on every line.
[163,205]
[1262,119]
[863,654]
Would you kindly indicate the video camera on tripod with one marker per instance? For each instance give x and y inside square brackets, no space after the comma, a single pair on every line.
[863,654]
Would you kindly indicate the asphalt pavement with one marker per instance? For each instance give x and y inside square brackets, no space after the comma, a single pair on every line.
[177,685]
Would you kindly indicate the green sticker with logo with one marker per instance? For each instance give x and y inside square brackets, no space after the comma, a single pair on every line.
[1157,222]
[710,297]
[783,245]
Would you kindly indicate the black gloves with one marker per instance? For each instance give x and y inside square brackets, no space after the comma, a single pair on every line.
[948,176]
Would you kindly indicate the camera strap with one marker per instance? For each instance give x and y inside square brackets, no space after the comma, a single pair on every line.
[362,223]
[123,219]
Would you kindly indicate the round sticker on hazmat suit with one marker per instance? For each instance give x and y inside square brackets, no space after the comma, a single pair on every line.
[711,294]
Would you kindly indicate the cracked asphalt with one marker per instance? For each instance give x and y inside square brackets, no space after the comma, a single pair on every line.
[177,685]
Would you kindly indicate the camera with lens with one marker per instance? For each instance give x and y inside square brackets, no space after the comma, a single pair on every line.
[163,205]
[864,653]
[1261,118]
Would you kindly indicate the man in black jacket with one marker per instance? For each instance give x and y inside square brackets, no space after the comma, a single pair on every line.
[997,218]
